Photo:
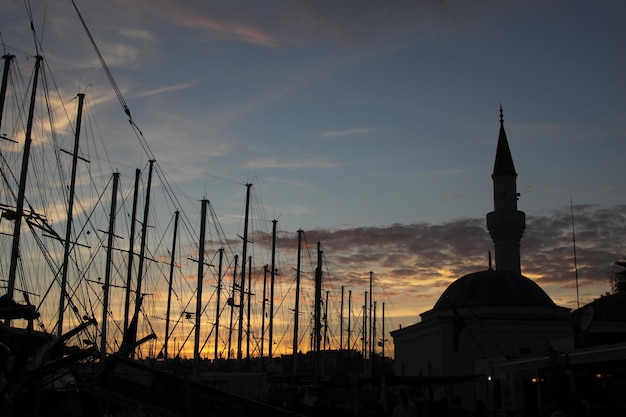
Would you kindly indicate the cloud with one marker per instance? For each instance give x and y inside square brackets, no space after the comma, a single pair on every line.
[414,263]
[351,132]
[264,163]
[166,89]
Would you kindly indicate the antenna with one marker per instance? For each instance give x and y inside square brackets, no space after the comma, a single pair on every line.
[571,204]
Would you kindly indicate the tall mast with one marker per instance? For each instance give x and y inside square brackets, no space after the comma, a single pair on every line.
[341,321]
[131,249]
[217,304]
[169,286]
[265,269]
[5,81]
[231,303]
[325,319]
[372,339]
[70,215]
[15,250]
[249,293]
[371,344]
[349,318]
[144,234]
[107,272]
[242,287]
[364,343]
[196,342]
[273,275]
[142,251]
[317,336]
[297,306]
[383,338]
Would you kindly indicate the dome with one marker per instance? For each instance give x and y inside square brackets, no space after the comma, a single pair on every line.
[493,288]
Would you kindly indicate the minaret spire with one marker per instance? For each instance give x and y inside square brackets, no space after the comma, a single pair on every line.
[506,224]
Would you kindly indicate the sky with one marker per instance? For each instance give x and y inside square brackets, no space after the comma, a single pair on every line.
[370,125]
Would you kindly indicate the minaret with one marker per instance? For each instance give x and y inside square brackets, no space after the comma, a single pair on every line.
[506,224]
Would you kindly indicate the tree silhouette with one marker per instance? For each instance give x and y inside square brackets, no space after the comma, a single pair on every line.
[617,274]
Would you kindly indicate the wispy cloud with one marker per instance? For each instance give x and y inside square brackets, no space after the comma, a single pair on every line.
[167,89]
[276,163]
[352,132]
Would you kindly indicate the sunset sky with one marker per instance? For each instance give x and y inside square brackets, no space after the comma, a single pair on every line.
[370,125]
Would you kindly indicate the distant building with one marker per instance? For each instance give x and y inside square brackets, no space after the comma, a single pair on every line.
[484,317]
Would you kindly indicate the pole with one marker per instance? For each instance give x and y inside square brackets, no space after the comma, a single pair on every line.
[232,308]
[273,276]
[5,80]
[217,304]
[131,249]
[297,306]
[107,273]
[142,251]
[15,250]
[70,215]
[169,286]
[349,319]
[371,344]
[326,319]
[243,272]
[196,342]
[249,293]
[317,315]
[265,268]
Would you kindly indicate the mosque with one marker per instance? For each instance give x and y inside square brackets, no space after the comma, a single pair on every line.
[494,336]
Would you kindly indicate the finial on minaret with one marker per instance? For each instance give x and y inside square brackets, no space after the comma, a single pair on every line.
[501,115]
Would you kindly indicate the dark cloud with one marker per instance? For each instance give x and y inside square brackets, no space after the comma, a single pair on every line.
[414,263]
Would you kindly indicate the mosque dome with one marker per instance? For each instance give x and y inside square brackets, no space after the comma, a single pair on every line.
[493,288]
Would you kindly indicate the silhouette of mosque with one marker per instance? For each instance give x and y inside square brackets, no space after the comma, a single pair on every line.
[494,336]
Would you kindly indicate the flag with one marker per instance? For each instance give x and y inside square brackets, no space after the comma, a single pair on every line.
[458,324]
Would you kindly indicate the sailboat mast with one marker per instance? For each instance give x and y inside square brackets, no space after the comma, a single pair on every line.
[169,286]
[217,304]
[249,304]
[383,338]
[372,339]
[131,249]
[349,319]
[265,269]
[231,302]
[196,342]
[325,320]
[369,327]
[317,336]
[5,81]
[341,321]
[15,250]
[144,234]
[142,251]
[297,306]
[364,343]
[107,272]
[70,215]
[242,287]
[272,275]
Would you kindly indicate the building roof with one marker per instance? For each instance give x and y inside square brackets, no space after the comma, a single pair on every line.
[610,307]
[493,288]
